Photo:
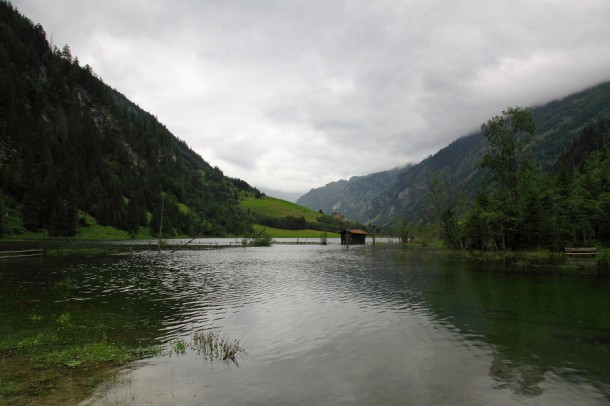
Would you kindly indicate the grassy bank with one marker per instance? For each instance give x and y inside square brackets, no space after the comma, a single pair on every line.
[91,231]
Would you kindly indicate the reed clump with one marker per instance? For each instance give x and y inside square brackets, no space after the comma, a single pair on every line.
[212,346]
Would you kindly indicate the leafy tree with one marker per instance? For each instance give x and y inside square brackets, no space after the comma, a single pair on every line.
[506,135]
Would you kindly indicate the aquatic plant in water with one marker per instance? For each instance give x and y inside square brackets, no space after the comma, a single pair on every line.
[179,347]
[211,346]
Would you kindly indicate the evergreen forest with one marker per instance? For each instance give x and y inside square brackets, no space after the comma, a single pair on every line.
[73,151]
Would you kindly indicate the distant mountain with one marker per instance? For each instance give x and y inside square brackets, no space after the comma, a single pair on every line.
[72,148]
[347,197]
[389,197]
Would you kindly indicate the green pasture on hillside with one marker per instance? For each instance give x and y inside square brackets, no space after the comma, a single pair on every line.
[272,207]
[279,233]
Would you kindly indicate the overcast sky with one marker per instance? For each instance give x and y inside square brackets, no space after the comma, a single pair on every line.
[291,95]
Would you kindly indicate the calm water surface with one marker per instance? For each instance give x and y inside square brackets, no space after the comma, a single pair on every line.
[366,326]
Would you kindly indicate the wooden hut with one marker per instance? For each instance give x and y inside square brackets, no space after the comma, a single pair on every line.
[353,237]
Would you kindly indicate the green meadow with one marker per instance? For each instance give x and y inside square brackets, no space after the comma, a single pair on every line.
[272,207]
[279,233]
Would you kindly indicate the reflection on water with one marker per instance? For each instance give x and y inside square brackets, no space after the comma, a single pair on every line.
[327,325]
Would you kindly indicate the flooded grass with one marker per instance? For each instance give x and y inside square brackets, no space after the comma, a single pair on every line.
[59,358]
[55,368]
[178,347]
[98,353]
[211,346]
[43,371]
[25,381]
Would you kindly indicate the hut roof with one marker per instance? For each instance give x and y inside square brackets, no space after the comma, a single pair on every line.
[355,232]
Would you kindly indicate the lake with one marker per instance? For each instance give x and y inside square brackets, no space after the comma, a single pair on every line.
[326,325]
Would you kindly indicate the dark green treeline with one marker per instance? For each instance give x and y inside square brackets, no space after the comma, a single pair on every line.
[520,205]
[69,145]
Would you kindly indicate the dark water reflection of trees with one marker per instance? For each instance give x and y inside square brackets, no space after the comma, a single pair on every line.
[554,323]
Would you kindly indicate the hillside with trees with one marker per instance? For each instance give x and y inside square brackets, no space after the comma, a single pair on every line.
[520,205]
[457,170]
[73,150]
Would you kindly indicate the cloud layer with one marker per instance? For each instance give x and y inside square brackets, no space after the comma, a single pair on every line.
[291,95]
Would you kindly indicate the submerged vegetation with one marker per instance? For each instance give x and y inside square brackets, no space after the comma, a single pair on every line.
[211,346]
[66,336]
[38,353]
[43,352]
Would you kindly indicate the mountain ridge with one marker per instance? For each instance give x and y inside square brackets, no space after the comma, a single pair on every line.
[401,197]
[72,148]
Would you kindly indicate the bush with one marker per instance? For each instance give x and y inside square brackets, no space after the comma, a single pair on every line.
[260,238]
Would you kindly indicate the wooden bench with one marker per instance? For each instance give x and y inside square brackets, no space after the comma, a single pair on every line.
[592,251]
[21,253]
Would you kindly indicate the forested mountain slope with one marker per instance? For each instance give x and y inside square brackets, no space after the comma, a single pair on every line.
[388,198]
[347,197]
[70,145]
